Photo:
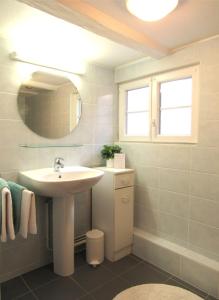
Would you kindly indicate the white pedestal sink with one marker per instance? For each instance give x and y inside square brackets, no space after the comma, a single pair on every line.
[61,186]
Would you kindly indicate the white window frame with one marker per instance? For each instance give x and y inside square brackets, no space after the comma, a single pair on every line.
[123,89]
[154,107]
[175,75]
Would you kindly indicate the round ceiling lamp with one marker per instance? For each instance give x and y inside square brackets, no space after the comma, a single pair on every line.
[151,10]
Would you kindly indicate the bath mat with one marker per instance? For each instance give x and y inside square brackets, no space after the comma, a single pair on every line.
[156,291]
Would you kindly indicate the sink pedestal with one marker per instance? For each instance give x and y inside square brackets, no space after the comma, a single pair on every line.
[63,235]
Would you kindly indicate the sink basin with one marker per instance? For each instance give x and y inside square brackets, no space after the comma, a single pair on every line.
[61,186]
[68,181]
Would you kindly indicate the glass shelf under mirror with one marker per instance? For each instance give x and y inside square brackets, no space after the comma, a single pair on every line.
[50,145]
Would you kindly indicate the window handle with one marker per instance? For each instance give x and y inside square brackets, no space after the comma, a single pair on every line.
[153,123]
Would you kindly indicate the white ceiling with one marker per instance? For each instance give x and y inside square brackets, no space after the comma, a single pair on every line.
[34,32]
[191,21]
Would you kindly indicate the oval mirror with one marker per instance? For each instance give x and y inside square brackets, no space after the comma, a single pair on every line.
[49,105]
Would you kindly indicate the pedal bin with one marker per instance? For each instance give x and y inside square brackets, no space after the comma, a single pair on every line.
[94,247]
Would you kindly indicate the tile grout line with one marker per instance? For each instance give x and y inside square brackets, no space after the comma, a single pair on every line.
[29,288]
[42,285]
[137,263]
[79,285]
[97,287]
[102,285]
[114,276]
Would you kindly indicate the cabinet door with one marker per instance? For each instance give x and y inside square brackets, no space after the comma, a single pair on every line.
[124,180]
[123,217]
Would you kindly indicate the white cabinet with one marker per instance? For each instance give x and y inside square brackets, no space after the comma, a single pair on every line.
[112,210]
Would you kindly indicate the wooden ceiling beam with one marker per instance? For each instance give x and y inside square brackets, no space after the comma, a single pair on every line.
[81,13]
[111,28]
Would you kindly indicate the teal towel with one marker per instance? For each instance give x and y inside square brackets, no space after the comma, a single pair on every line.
[16,193]
[3,184]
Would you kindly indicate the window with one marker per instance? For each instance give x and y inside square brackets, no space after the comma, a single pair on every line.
[160,108]
[135,108]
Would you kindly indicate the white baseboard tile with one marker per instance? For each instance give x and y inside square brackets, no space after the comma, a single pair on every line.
[195,269]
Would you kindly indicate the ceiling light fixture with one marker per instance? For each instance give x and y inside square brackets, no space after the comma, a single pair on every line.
[151,10]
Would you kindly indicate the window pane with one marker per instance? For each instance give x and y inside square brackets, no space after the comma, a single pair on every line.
[176,93]
[176,122]
[138,99]
[138,124]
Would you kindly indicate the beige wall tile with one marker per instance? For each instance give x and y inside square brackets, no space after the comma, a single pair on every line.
[204,185]
[174,203]
[175,157]
[147,177]
[208,133]
[148,198]
[160,257]
[8,104]
[174,180]
[209,106]
[174,227]
[206,253]
[199,276]
[146,219]
[204,211]
[145,154]
[209,78]
[204,236]
[205,160]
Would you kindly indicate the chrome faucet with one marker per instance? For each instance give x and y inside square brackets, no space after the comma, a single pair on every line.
[58,164]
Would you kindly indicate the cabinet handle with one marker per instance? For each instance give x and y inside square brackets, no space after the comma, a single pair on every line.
[125,200]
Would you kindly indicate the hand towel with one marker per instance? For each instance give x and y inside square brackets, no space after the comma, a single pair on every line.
[6,212]
[3,214]
[28,214]
[9,216]
[24,209]
[16,193]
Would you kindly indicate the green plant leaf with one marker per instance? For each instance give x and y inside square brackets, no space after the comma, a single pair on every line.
[108,151]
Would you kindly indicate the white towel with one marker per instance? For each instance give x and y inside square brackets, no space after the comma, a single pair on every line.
[7,226]
[3,227]
[28,214]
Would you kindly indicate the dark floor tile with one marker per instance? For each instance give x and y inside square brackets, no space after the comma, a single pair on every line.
[87,297]
[182,284]
[144,273]
[63,288]
[90,278]
[28,296]
[168,275]
[80,259]
[136,258]
[13,288]
[122,265]
[110,289]
[40,276]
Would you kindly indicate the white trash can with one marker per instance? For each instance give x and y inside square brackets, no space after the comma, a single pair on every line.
[94,247]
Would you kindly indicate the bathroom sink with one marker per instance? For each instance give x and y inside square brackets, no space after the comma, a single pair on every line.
[61,185]
[68,181]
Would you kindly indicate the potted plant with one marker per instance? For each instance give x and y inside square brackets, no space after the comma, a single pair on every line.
[108,152]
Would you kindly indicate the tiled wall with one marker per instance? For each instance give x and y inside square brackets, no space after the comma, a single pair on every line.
[177,185]
[96,128]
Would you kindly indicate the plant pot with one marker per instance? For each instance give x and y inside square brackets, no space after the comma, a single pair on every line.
[110,163]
